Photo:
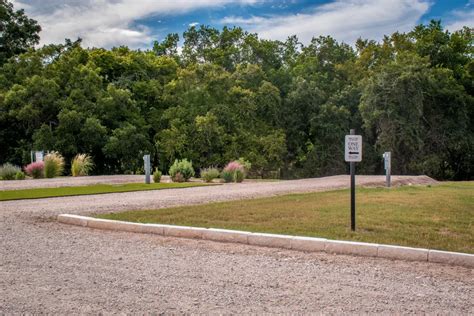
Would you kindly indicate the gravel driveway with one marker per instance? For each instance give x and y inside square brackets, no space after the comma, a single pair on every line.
[47,267]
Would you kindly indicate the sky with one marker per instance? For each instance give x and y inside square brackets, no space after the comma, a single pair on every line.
[138,23]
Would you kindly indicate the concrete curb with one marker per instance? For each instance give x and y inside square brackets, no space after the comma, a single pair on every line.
[278,241]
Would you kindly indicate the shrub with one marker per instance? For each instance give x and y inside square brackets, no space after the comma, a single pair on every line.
[234,165]
[53,165]
[81,165]
[178,177]
[35,169]
[209,174]
[246,164]
[239,175]
[234,171]
[184,167]
[8,171]
[157,176]
[228,176]
[20,175]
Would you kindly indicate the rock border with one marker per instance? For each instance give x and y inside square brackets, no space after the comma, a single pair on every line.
[277,241]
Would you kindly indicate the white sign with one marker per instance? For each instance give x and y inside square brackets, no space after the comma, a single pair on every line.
[353,148]
[38,156]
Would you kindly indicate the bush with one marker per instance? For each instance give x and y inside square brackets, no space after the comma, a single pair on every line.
[35,169]
[239,175]
[20,175]
[178,177]
[234,171]
[53,165]
[184,167]
[81,165]
[246,164]
[209,174]
[157,176]
[228,176]
[8,171]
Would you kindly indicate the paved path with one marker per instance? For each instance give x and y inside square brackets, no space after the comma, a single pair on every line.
[47,267]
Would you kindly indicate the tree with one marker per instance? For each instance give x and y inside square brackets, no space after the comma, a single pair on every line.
[208,140]
[17,31]
[283,106]
[125,148]
[169,46]
[392,105]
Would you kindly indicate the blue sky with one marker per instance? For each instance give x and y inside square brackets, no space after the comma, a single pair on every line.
[137,23]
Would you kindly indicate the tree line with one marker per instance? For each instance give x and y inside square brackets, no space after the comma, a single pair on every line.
[228,94]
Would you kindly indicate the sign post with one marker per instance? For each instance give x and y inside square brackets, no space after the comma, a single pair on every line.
[387,159]
[353,154]
[146,160]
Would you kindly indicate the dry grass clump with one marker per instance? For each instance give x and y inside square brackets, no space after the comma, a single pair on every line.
[81,165]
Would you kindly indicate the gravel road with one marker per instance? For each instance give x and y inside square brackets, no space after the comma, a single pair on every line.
[47,267]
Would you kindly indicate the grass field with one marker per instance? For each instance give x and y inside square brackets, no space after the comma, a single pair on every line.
[436,217]
[90,189]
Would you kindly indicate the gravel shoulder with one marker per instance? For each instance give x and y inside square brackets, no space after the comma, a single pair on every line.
[197,195]
[47,267]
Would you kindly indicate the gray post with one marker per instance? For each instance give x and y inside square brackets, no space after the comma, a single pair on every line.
[388,167]
[146,159]
[352,167]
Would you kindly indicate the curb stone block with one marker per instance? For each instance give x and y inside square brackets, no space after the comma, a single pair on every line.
[270,240]
[105,224]
[352,248]
[404,253]
[183,231]
[73,219]
[153,229]
[308,244]
[455,258]
[279,241]
[225,235]
[129,227]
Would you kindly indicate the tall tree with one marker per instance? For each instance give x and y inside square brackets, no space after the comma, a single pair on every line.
[17,31]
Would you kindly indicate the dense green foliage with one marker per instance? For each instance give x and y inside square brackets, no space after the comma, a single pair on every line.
[181,170]
[283,106]
[17,31]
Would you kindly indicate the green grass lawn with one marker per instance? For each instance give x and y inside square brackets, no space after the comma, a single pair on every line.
[437,217]
[90,189]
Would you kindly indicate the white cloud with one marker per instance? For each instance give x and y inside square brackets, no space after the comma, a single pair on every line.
[345,20]
[459,19]
[194,24]
[107,23]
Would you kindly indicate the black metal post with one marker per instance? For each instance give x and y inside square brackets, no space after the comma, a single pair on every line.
[353,205]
